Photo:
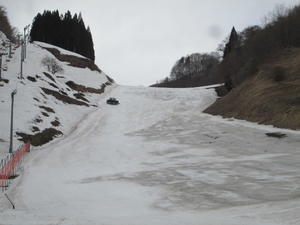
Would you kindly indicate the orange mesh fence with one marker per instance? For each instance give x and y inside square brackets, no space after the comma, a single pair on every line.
[10,164]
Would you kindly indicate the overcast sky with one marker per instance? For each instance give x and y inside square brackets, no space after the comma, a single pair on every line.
[138,41]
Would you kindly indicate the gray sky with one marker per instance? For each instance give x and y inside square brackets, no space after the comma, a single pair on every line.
[138,41]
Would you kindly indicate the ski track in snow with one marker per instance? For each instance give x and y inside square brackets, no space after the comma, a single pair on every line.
[156,159]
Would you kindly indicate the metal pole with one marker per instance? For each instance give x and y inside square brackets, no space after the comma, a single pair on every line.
[9,55]
[12,204]
[24,43]
[22,56]
[11,121]
[0,66]
[26,28]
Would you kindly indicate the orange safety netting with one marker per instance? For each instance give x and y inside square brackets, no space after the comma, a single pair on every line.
[9,168]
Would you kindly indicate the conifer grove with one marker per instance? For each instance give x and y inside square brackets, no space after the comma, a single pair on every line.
[66,31]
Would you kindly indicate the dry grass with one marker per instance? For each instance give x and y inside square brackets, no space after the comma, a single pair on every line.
[53,85]
[62,97]
[48,109]
[55,123]
[80,96]
[264,100]
[49,76]
[35,129]
[38,120]
[82,88]
[45,114]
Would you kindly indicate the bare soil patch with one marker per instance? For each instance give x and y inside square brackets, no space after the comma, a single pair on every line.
[82,88]
[40,138]
[35,129]
[63,98]
[45,114]
[55,123]
[276,135]
[74,60]
[48,109]
[32,79]
[80,96]
[53,85]
[48,75]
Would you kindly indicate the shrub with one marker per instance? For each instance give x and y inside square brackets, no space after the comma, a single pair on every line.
[52,65]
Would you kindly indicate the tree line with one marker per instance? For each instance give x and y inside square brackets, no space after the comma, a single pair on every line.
[5,26]
[65,31]
[193,70]
[244,52]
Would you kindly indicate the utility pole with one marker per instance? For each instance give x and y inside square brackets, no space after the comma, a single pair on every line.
[24,43]
[22,59]
[25,37]
[9,54]
[0,66]
[12,121]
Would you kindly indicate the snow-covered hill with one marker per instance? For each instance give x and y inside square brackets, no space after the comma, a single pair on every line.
[45,100]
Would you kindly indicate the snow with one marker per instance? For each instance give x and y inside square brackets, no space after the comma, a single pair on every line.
[61,50]
[156,159]
[3,38]
[30,96]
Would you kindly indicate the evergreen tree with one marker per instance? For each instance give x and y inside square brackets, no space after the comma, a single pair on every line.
[232,43]
[65,31]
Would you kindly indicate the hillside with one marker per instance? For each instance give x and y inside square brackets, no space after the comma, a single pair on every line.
[47,105]
[270,96]
[63,30]
[194,70]
[188,81]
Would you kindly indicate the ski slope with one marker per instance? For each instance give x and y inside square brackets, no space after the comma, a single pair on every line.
[30,97]
[155,159]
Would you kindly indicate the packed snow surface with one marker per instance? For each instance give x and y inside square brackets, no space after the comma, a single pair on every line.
[155,159]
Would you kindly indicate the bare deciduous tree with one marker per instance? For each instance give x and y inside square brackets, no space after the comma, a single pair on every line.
[5,26]
[52,65]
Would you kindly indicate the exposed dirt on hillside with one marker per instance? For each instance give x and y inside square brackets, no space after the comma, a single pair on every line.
[40,138]
[74,60]
[63,98]
[189,81]
[271,97]
[82,88]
